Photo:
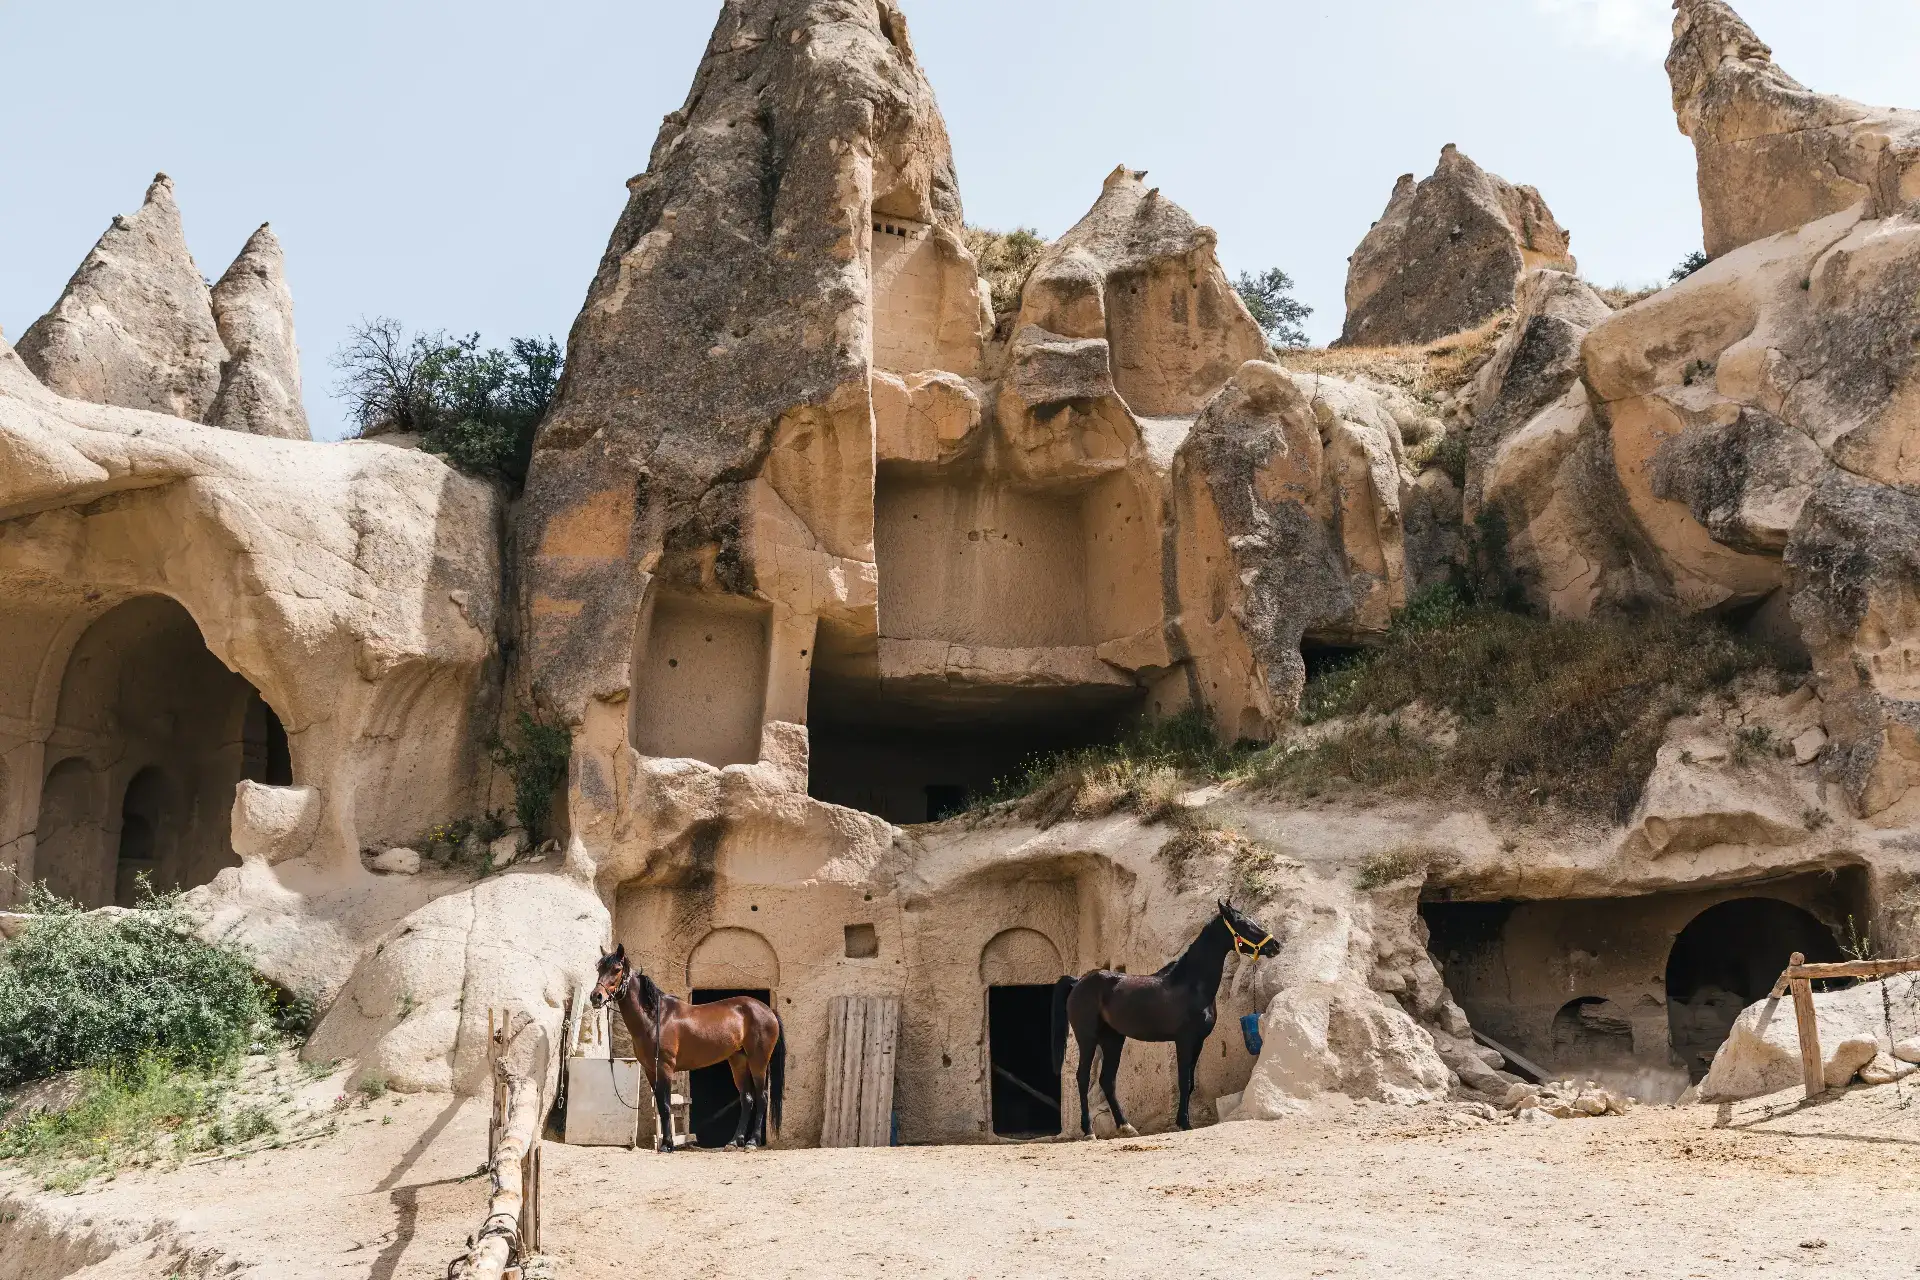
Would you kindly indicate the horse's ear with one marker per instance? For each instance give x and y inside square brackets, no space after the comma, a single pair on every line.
[621,951]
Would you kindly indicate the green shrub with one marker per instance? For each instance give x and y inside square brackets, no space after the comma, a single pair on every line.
[80,990]
[1280,315]
[1567,712]
[1141,773]
[479,409]
[537,765]
[1006,259]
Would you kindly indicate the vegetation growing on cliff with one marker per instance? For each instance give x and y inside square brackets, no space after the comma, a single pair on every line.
[478,408]
[1006,259]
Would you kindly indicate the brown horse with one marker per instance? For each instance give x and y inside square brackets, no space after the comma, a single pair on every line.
[671,1036]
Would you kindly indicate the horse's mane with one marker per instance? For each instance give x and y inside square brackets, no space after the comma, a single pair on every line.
[1166,970]
[649,994]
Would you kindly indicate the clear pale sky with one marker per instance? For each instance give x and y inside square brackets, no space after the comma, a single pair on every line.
[459,165]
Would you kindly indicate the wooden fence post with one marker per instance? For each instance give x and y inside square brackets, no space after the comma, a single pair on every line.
[1812,1069]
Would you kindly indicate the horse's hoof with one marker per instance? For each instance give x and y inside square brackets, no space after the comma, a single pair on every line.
[1126,1131]
[751,1146]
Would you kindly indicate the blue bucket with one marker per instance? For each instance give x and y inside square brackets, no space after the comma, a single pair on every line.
[1250,1032]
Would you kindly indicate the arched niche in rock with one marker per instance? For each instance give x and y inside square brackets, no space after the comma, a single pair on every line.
[733,959]
[1727,957]
[152,733]
[1020,957]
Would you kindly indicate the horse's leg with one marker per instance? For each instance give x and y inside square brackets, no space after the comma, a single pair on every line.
[1086,1033]
[1111,1044]
[762,1092]
[663,1107]
[743,1083]
[1189,1056]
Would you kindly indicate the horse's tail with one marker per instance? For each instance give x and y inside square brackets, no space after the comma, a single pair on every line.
[777,1071]
[1061,991]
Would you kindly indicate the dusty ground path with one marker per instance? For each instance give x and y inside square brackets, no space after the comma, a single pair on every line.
[391,1194]
[1831,1191]
[1753,1190]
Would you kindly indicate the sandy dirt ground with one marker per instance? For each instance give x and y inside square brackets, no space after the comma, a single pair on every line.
[393,1193]
[1767,1188]
[1831,1190]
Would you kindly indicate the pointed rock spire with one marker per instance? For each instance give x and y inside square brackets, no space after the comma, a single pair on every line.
[1773,154]
[1448,254]
[135,325]
[260,384]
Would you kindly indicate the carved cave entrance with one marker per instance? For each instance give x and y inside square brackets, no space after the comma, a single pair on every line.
[151,735]
[713,1099]
[1637,992]
[1729,956]
[1025,1090]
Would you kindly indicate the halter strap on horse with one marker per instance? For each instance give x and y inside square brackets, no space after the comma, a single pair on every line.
[1243,946]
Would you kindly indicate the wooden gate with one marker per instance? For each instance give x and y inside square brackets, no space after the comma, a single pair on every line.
[862,1032]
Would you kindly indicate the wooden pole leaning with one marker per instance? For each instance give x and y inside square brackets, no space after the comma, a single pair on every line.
[1812,1070]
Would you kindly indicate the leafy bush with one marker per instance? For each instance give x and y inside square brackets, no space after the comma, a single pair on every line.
[479,409]
[1567,712]
[538,765]
[1280,315]
[107,991]
[1006,259]
[1688,265]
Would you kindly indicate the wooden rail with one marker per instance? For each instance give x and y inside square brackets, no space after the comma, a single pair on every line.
[511,1232]
[1798,979]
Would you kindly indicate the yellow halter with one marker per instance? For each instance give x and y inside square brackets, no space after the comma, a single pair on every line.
[1242,946]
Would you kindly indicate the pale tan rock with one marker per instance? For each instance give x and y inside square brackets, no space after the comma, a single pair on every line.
[260,382]
[1287,495]
[398,861]
[135,325]
[1808,746]
[1762,1052]
[1141,276]
[1447,255]
[1774,155]
[1908,1050]
[1886,1069]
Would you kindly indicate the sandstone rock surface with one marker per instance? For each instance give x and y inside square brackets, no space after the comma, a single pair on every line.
[1774,155]
[1762,1054]
[1448,255]
[260,382]
[135,325]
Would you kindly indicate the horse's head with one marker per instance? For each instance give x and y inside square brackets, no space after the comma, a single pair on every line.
[1250,938]
[614,972]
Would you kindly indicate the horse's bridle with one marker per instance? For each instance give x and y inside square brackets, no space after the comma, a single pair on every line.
[1242,946]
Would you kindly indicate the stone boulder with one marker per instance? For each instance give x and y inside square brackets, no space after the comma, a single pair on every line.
[1762,1052]
[1140,276]
[1448,255]
[260,383]
[1287,496]
[135,325]
[1773,154]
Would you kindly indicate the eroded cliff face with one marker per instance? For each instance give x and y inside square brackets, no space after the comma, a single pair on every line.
[1448,254]
[814,542]
[1775,155]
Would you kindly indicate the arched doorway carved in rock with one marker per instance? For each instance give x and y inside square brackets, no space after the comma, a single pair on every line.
[152,733]
[1729,956]
[1018,968]
[727,962]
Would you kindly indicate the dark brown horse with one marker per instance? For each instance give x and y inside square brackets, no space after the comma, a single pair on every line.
[670,1036]
[1106,1009]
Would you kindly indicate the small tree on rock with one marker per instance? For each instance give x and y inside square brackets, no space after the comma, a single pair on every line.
[1269,296]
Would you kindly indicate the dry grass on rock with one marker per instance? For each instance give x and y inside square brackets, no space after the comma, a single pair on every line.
[1430,373]
[1563,714]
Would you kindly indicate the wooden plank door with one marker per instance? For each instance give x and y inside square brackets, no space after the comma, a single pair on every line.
[862,1035]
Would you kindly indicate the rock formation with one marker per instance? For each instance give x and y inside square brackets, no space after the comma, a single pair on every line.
[135,325]
[138,327]
[1447,255]
[817,549]
[260,382]
[1774,155]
